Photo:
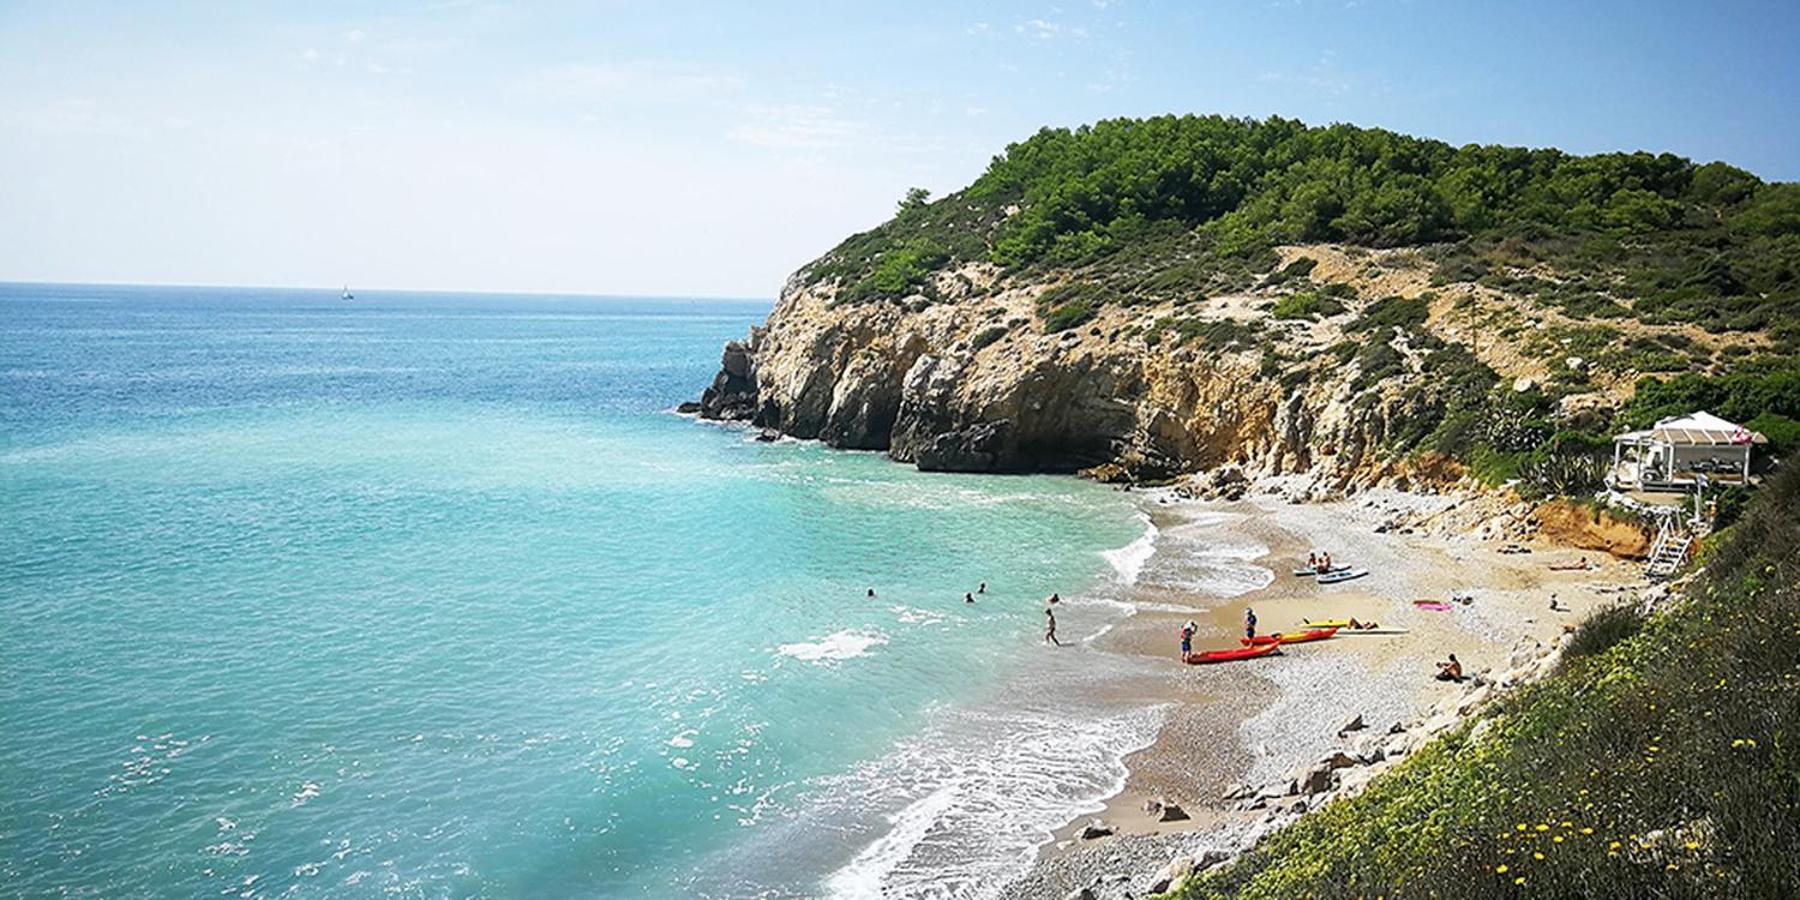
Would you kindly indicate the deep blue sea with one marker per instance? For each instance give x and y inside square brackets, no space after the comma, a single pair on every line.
[433,595]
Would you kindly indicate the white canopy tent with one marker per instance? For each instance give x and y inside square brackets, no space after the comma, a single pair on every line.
[1680,452]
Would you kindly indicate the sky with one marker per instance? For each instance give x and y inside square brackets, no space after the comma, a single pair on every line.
[691,149]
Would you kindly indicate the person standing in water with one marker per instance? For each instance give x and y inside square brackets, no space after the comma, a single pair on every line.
[871,593]
[968,598]
[1050,627]
[1249,622]
[981,588]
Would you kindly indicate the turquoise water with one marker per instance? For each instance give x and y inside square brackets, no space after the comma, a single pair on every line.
[431,595]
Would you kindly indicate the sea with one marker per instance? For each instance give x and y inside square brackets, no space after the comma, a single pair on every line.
[435,595]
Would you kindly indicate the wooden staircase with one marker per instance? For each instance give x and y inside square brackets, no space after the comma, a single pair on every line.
[1670,550]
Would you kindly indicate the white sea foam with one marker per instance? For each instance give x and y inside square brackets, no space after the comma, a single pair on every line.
[1203,558]
[1128,561]
[683,740]
[973,798]
[864,877]
[913,616]
[307,791]
[835,647]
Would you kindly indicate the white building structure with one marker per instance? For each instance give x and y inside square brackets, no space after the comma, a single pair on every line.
[1676,453]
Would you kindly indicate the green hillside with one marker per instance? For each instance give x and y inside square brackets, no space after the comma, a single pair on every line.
[1163,208]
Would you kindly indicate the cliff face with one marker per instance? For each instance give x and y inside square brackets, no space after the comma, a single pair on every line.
[969,380]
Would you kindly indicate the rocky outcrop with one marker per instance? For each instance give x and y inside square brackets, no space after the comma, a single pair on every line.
[970,382]
[733,391]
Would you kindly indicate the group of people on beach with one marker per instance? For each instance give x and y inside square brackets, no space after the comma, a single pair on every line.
[1319,562]
[1049,610]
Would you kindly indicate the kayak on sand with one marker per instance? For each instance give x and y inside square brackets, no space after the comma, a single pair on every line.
[1219,656]
[1317,634]
[1346,575]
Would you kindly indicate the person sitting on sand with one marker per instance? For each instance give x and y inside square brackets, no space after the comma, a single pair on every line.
[1187,638]
[1450,671]
[1249,622]
[1325,561]
[1050,625]
[1363,626]
[1557,605]
[968,598]
[1312,561]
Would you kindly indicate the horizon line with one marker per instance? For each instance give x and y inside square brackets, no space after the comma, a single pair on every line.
[391,290]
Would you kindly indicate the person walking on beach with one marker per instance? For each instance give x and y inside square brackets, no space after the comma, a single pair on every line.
[1249,622]
[1050,626]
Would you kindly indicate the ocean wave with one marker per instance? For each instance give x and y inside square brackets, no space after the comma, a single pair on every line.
[1128,561]
[971,800]
[1204,560]
[835,647]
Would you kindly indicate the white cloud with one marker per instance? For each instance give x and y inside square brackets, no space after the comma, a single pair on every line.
[795,127]
[632,82]
[311,55]
[1045,30]
[377,69]
[355,35]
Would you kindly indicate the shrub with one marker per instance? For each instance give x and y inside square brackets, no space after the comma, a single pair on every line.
[1306,305]
[987,336]
[1391,312]
[1606,627]
[1067,316]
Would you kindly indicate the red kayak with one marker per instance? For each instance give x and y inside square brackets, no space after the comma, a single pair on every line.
[1317,634]
[1219,656]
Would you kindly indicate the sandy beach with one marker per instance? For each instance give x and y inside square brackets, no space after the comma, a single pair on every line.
[1255,722]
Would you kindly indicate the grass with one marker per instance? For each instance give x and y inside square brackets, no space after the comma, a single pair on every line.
[1663,764]
[1604,629]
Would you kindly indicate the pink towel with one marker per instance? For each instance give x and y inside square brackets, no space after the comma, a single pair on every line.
[1433,605]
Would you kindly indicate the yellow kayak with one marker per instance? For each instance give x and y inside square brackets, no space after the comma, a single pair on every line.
[1326,623]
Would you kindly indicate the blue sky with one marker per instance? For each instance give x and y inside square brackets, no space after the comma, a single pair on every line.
[710,149]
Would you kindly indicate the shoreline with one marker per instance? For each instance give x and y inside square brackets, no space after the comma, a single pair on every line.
[1252,723]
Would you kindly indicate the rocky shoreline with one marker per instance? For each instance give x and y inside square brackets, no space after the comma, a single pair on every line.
[969,381]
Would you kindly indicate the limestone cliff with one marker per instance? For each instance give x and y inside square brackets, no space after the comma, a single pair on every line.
[969,380]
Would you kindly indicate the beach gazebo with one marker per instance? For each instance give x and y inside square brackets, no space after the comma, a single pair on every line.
[1678,453]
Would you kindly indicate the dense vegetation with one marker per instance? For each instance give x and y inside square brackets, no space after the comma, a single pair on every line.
[1170,204]
[1660,760]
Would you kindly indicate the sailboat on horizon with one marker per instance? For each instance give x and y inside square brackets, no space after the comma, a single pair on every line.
[347,294]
